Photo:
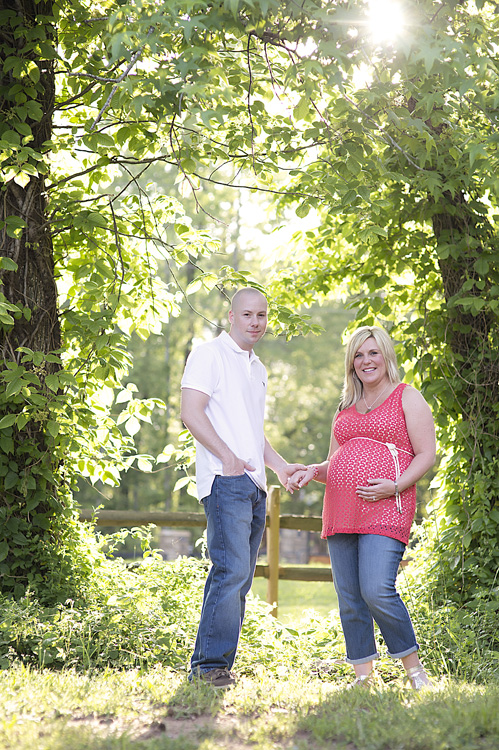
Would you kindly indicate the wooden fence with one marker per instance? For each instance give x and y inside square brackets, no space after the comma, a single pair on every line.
[272,570]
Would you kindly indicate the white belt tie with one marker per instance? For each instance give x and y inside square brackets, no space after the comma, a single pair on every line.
[393,450]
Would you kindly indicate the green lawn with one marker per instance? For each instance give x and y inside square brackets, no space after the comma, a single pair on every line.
[157,709]
[297,596]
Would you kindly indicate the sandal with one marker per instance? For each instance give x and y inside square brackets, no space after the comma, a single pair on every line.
[365,680]
[418,678]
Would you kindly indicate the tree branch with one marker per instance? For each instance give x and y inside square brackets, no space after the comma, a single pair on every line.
[132,62]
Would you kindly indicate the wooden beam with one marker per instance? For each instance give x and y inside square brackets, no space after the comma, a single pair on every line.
[273,548]
[139,518]
[124,518]
[296,572]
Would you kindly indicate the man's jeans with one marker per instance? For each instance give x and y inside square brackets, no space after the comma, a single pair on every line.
[235,512]
[364,571]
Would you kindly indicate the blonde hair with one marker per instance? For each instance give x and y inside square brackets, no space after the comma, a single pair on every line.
[352,386]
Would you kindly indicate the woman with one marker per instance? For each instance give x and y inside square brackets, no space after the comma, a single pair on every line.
[382,442]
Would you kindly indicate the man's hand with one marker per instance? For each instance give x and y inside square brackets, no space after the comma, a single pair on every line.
[232,466]
[287,471]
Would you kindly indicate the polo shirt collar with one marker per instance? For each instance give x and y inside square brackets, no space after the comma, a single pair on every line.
[229,341]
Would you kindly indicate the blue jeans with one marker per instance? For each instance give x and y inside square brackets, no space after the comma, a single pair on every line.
[364,571]
[236,513]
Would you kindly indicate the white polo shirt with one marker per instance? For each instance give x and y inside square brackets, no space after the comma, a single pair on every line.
[236,382]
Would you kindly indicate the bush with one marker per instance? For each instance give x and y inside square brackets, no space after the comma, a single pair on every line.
[460,640]
[147,613]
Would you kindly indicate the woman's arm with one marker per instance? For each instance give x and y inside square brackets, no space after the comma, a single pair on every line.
[421,431]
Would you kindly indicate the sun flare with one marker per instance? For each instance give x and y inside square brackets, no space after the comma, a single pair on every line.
[385,20]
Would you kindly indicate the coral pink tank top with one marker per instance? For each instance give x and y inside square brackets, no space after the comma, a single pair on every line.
[363,455]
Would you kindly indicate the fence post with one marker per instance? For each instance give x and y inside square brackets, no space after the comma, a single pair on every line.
[273,547]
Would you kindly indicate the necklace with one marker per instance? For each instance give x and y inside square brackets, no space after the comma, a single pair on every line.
[376,399]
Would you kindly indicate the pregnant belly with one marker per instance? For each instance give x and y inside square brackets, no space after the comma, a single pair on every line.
[359,460]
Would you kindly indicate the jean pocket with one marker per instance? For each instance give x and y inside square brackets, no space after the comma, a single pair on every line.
[233,487]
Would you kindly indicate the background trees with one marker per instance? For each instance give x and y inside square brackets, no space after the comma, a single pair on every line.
[394,148]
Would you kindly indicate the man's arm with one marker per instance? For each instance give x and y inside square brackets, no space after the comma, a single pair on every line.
[276,462]
[193,415]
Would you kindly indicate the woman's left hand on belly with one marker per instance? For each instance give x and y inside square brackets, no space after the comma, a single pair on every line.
[377,489]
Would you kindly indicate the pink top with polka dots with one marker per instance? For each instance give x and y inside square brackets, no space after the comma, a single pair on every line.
[363,455]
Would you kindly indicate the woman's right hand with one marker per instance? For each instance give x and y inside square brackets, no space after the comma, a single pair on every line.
[300,479]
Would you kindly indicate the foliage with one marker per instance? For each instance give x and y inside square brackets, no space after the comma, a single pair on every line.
[146,614]
[451,633]
[394,149]
[63,368]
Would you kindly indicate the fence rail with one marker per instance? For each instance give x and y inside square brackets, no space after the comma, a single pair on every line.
[272,571]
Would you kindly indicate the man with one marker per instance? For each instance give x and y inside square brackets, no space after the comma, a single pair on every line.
[223,402]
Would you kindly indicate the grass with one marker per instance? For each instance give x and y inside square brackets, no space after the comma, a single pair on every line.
[297,596]
[108,685]
[153,709]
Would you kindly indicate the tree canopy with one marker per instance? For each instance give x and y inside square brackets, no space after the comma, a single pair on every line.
[393,147]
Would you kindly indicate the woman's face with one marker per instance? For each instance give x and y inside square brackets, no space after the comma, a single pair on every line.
[369,363]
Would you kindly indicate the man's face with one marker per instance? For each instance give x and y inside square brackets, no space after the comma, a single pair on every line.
[248,320]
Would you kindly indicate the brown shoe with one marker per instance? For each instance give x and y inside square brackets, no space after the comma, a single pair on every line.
[218,678]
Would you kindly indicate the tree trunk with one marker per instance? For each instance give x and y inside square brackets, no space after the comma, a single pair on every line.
[32,522]
[32,286]
[469,335]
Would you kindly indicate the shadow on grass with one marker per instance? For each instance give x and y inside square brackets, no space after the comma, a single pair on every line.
[451,715]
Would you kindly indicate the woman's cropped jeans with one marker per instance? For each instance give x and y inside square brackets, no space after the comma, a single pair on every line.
[235,512]
[364,571]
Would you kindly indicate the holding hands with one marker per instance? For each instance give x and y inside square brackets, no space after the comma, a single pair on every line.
[287,472]
[301,478]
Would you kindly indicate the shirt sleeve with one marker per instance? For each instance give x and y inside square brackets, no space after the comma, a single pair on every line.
[202,370]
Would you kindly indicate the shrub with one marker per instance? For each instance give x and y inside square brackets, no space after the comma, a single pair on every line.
[146,613]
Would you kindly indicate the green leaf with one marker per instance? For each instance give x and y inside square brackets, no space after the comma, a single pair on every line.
[53,427]
[97,220]
[14,226]
[481,266]
[11,480]
[14,387]
[182,482]
[302,108]
[144,465]
[52,382]
[21,421]
[33,501]
[41,520]
[7,421]
[8,264]
[132,426]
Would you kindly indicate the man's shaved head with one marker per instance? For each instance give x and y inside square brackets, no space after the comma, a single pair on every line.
[243,295]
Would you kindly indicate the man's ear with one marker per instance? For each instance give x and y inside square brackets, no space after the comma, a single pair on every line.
[231,316]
